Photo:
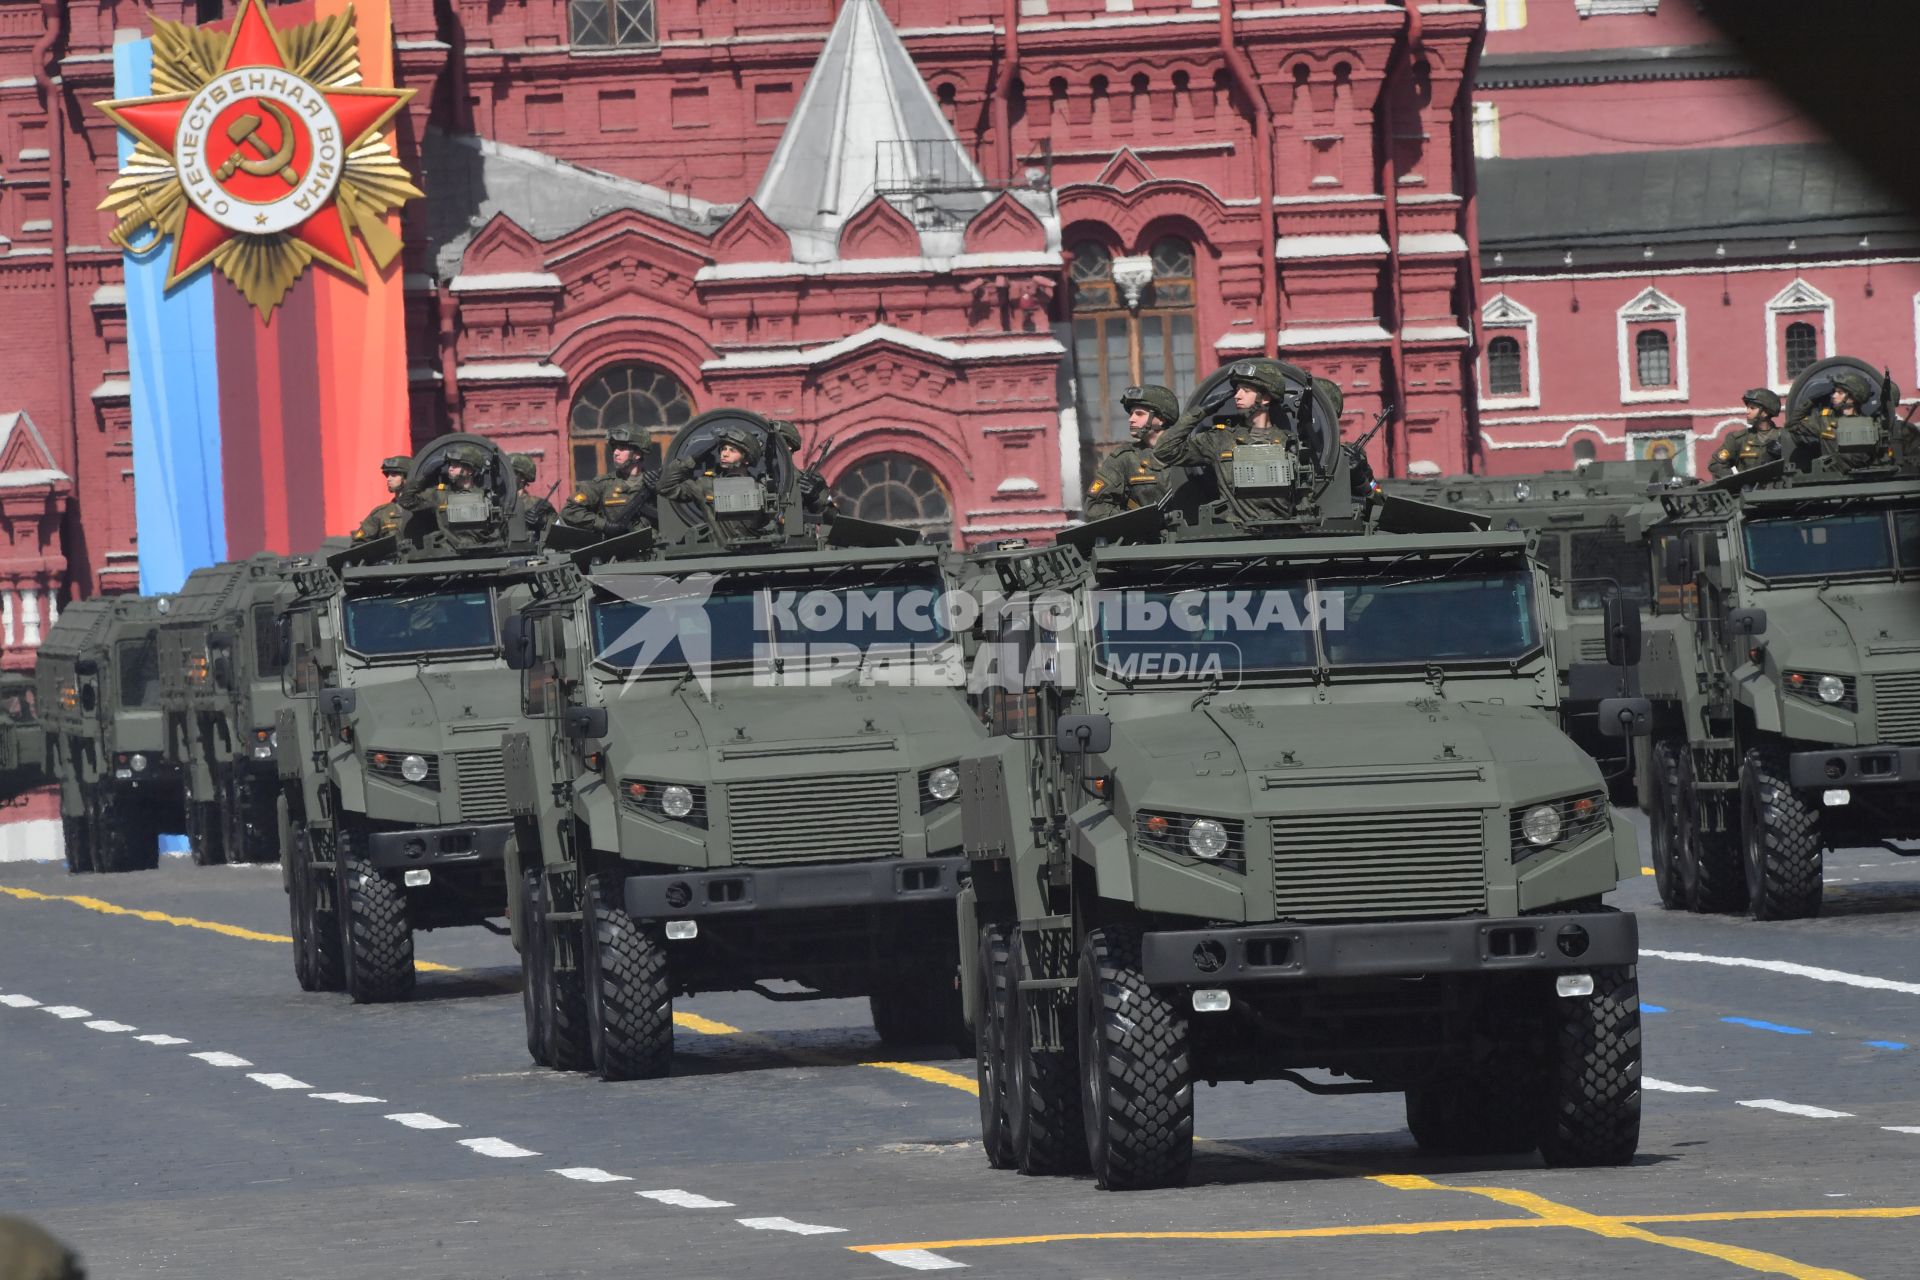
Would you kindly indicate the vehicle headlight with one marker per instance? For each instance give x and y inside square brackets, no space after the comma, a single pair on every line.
[413,768]
[676,801]
[139,762]
[1206,838]
[943,783]
[1541,825]
[273,739]
[1831,689]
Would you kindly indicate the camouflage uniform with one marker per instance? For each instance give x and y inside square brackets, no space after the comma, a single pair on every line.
[1816,425]
[815,497]
[421,497]
[684,480]
[1190,443]
[535,512]
[1754,444]
[384,520]
[1129,477]
[614,503]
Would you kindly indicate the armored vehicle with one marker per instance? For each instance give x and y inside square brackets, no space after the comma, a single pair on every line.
[23,740]
[742,767]
[1290,797]
[1787,709]
[220,668]
[393,814]
[99,700]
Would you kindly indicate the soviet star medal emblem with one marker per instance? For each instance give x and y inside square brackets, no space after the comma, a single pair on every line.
[259,153]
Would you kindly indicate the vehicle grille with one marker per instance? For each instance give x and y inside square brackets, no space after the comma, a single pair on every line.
[815,819]
[1379,865]
[1593,649]
[1896,702]
[482,777]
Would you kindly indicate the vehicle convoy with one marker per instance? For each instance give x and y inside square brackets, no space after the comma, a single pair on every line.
[1578,520]
[392,815]
[98,682]
[23,739]
[220,667]
[1291,797]
[739,766]
[1786,715]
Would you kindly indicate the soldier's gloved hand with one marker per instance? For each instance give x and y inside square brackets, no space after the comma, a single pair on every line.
[1772,449]
[811,484]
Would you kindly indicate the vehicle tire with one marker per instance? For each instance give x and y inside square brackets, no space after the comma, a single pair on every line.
[913,1014]
[127,836]
[205,838]
[1043,1091]
[533,961]
[1664,822]
[376,934]
[991,1003]
[317,961]
[629,1001]
[553,999]
[1590,1088]
[1780,835]
[1710,870]
[1135,1067]
[1470,1118]
[78,837]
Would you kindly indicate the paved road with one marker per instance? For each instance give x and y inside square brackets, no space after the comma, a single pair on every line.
[172,1104]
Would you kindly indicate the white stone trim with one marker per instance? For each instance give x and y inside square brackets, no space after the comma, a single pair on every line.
[1308,336]
[941,348]
[512,371]
[1650,306]
[1504,312]
[1018,484]
[1030,259]
[1602,8]
[1608,414]
[1434,333]
[1506,15]
[1653,273]
[1798,298]
[505,280]
[1337,246]
[1428,242]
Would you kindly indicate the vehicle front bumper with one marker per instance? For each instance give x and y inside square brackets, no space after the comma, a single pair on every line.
[1278,953]
[439,846]
[1851,767]
[731,890]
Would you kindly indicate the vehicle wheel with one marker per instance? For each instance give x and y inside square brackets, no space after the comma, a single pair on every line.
[1043,1090]
[204,834]
[1469,1118]
[78,835]
[924,1013]
[533,960]
[376,934]
[317,962]
[993,999]
[1710,860]
[629,1003]
[1785,854]
[1135,1068]
[1590,1095]
[127,838]
[1664,820]
[553,999]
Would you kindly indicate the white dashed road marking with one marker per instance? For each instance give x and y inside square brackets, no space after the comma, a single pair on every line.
[421,1120]
[68,1011]
[108,1025]
[1796,1109]
[917,1259]
[274,1080]
[215,1058]
[159,1039]
[684,1199]
[348,1098]
[788,1224]
[592,1175]
[1668,1086]
[19,1002]
[1791,969]
[1901,1128]
[498,1148]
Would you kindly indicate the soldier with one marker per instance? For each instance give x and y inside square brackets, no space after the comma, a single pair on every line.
[1762,440]
[1359,471]
[682,480]
[1129,477]
[459,473]
[616,502]
[1814,427]
[814,494]
[535,512]
[384,520]
[1259,388]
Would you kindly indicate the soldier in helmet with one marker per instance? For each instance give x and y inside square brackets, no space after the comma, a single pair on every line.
[1257,418]
[816,498]
[460,470]
[1815,426]
[623,498]
[1129,477]
[535,512]
[384,520]
[1359,471]
[735,452]
[1762,440]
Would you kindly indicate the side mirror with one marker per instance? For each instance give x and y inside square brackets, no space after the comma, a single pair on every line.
[222,668]
[1622,619]
[586,722]
[86,667]
[1626,717]
[1083,735]
[1747,622]
[1676,562]
[517,641]
[339,702]
[89,697]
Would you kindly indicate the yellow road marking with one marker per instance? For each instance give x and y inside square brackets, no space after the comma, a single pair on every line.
[1286,1233]
[1646,871]
[704,1026]
[932,1075]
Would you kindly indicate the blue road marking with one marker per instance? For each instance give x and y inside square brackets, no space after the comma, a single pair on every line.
[1653,1008]
[1758,1025]
[1885,1044]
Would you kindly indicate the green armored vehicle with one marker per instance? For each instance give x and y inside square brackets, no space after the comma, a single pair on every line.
[1290,797]
[98,681]
[742,767]
[220,668]
[23,739]
[1787,710]
[393,812]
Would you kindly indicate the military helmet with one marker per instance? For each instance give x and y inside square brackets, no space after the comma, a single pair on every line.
[398,465]
[788,433]
[632,437]
[468,455]
[1260,375]
[1159,401]
[1763,399]
[1855,385]
[1330,389]
[524,467]
[741,438]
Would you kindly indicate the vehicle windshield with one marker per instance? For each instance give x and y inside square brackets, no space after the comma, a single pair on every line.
[1187,634]
[1401,621]
[139,672]
[1603,560]
[1842,544]
[388,626]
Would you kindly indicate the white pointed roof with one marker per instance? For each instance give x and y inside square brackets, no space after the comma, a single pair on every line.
[866,123]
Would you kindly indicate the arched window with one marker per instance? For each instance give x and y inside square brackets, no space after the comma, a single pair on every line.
[1583,452]
[624,395]
[1131,325]
[897,490]
[1654,358]
[1504,376]
[1803,348]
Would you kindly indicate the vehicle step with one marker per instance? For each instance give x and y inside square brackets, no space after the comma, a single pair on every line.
[1048,984]
[1701,785]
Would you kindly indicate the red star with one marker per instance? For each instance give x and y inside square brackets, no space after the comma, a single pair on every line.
[253,42]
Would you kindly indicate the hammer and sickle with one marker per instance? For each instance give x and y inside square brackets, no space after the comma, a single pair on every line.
[245,132]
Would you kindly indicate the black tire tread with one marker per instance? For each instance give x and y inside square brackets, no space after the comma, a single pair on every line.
[376,933]
[1591,1099]
[633,1037]
[1146,1110]
[1789,855]
[1049,1136]
[995,963]
[1664,815]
